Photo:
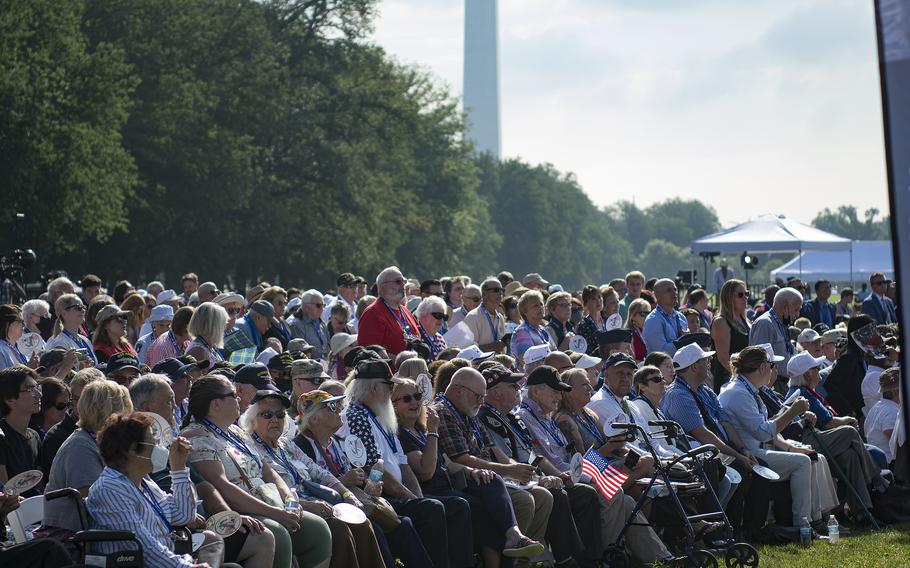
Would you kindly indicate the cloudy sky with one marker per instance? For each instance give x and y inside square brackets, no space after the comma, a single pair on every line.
[752,107]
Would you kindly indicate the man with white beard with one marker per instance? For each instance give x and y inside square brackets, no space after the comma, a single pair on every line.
[386,322]
[370,416]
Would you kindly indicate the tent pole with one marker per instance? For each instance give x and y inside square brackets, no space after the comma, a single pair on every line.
[800,263]
[852,284]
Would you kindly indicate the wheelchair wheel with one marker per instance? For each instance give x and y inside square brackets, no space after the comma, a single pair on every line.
[616,557]
[741,555]
[702,559]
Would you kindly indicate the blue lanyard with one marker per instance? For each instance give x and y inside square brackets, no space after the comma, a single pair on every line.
[232,439]
[541,333]
[588,424]
[619,402]
[402,319]
[82,344]
[754,394]
[15,349]
[526,440]
[150,499]
[670,319]
[434,346]
[389,436]
[603,323]
[548,425]
[466,419]
[490,321]
[281,457]
[173,339]
[210,349]
[783,332]
[417,435]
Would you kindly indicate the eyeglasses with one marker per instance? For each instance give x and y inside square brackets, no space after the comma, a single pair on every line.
[478,396]
[79,307]
[269,414]
[440,316]
[418,396]
[233,311]
[34,389]
[494,290]
[472,298]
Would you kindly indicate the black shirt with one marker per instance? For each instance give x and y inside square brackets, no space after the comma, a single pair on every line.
[440,483]
[19,453]
[53,440]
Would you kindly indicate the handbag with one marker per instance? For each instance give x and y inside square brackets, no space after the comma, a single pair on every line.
[265,492]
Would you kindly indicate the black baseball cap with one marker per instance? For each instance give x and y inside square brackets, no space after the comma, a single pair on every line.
[497,373]
[190,360]
[547,375]
[123,360]
[256,374]
[346,279]
[269,393]
[702,339]
[619,359]
[172,367]
[619,335]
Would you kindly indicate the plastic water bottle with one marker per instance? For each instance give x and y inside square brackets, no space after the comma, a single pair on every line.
[376,471]
[833,530]
[292,503]
[805,532]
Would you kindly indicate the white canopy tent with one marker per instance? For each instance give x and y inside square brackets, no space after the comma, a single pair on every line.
[868,257]
[769,233]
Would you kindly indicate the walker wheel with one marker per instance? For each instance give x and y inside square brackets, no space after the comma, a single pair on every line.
[741,555]
[702,559]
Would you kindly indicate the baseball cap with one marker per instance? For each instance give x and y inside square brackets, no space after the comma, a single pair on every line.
[255,374]
[701,338]
[802,362]
[341,341]
[108,312]
[808,335]
[473,353]
[190,360]
[124,360]
[266,309]
[547,375]
[269,393]
[376,369]
[346,279]
[208,288]
[619,359]
[308,369]
[534,277]
[163,312]
[536,353]
[770,351]
[280,362]
[832,336]
[586,361]
[497,373]
[690,354]
[173,368]
[229,298]
[266,355]
[298,344]
[312,401]
[618,335]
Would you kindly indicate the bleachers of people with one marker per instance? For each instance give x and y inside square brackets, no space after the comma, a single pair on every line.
[443,423]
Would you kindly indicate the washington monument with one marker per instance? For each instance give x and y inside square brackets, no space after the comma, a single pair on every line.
[481,74]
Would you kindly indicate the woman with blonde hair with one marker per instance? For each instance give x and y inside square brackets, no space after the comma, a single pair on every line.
[533,331]
[207,326]
[139,312]
[638,310]
[67,333]
[413,368]
[729,329]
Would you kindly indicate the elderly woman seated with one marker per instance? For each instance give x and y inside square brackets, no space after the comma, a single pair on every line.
[264,420]
[431,315]
[124,499]
[882,417]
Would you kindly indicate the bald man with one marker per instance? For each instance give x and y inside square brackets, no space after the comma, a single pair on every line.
[665,324]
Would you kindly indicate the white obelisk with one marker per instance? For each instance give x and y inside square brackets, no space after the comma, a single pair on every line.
[481,74]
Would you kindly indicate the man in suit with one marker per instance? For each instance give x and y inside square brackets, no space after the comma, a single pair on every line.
[820,310]
[877,305]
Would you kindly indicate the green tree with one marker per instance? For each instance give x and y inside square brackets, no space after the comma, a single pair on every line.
[845,222]
[663,259]
[63,104]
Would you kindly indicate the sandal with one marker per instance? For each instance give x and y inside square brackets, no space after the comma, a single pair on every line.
[524,547]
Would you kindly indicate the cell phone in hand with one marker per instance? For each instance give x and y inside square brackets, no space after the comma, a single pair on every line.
[536,461]
[632,459]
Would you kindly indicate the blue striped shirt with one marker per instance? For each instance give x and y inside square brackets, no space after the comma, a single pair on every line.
[115,503]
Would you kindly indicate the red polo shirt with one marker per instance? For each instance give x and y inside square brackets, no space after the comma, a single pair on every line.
[379,326]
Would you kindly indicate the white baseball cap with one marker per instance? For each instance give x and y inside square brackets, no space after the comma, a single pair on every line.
[229,298]
[689,354]
[166,296]
[473,353]
[536,353]
[296,301]
[161,313]
[808,335]
[802,362]
[770,351]
[586,361]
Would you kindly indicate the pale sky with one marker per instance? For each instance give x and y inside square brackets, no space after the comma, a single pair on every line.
[752,107]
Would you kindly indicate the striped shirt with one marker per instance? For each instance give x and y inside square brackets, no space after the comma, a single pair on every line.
[115,503]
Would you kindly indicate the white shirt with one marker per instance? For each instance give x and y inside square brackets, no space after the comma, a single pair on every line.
[870,387]
[882,416]
[393,458]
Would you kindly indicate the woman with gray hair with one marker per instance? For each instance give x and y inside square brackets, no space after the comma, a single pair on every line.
[207,326]
[33,311]
[431,315]
[264,420]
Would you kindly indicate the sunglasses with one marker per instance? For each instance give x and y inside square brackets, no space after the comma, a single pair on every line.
[233,311]
[879,283]
[61,406]
[440,316]
[408,398]
[655,379]
[334,405]
[644,313]
[79,307]
[315,380]
[741,294]
[269,414]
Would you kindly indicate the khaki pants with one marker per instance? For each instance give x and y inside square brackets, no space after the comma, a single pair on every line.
[532,510]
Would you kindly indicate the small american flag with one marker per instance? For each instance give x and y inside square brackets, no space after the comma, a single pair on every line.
[606,476]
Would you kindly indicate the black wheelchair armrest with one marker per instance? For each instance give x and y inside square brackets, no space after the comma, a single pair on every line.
[97,535]
[65,492]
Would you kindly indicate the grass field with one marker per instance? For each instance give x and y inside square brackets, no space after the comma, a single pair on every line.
[888,548]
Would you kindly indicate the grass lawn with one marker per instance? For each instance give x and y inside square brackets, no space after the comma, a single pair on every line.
[888,548]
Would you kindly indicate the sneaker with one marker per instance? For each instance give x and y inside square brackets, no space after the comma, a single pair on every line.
[524,547]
